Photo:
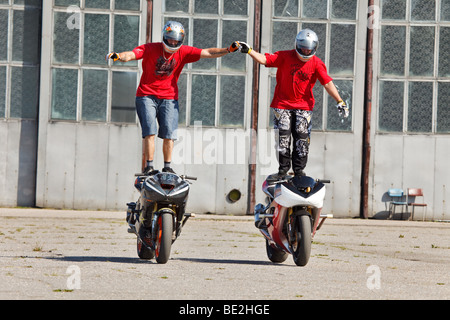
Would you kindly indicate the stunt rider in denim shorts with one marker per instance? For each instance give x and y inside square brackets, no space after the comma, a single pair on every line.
[157,94]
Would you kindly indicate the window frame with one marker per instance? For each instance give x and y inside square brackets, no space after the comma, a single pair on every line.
[109,66]
[407,78]
[329,21]
[9,63]
[190,70]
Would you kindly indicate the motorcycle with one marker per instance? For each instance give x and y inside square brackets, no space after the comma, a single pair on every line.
[159,214]
[291,217]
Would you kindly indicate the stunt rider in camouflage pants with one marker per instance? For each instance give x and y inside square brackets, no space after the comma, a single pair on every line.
[295,123]
[293,101]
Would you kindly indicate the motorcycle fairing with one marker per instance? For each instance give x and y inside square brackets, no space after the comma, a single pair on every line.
[288,196]
[303,182]
[275,232]
[166,187]
[268,189]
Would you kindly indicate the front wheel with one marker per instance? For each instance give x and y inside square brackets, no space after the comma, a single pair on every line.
[302,244]
[163,243]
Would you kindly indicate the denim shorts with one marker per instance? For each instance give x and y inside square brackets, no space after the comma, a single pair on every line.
[151,109]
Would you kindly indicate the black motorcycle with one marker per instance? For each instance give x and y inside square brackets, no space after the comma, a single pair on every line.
[159,214]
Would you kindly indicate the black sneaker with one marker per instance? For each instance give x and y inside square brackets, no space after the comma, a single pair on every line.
[168,169]
[299,173]
[148,170]
[281,174]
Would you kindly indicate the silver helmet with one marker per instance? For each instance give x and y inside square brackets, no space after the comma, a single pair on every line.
[306,43]
[173,36]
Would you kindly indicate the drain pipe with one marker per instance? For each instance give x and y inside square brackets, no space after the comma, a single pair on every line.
[364,209]
[148,37]
[254,111]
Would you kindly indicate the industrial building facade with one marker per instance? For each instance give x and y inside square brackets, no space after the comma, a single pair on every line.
[70,138]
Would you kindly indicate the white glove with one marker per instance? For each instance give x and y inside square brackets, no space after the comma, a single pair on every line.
[342,108]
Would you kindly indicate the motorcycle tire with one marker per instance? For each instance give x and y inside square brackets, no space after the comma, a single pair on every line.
[163,241]
[143,251]
[274,254]
[302,249]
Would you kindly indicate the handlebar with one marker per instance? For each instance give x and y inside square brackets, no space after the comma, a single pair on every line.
[184,177]
[187,177]
[287,180]
[271,183]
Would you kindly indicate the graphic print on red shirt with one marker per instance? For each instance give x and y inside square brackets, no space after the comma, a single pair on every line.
[160,71]
[295,79]
[165,67]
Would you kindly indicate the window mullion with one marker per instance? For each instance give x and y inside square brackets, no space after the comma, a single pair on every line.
[406,73]
[79,115]
[109,97]
[10,36]
[188,98]
[8,64]
[8,91]
[436,75]
[110,72]
[217,101]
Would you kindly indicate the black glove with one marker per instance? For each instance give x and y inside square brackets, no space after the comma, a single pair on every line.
[234,47]
[113,56]
[244,47]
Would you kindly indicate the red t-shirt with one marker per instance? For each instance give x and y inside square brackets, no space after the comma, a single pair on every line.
[160,76]
[296,79]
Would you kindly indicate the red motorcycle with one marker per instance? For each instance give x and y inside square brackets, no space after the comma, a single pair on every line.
[292,217]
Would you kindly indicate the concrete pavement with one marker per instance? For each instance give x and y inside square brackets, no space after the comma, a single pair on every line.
[64,254]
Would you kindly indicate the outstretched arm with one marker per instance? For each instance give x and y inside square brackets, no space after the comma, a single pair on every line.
[256,56]
[218,52]
[214,52]
[122,56]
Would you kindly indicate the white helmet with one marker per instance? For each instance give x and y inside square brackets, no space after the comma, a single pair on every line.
[306,39]
[173,30]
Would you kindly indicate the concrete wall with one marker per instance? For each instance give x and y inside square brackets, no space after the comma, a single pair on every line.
[412,161]
[18,142]
[91,165]
[87,166]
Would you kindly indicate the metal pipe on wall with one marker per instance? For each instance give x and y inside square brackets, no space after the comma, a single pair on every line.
[148,39]
[254,112]
[364,208]
[148,36]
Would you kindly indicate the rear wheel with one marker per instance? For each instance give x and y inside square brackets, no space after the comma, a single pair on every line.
[164,230]
[274,254]
[302,245]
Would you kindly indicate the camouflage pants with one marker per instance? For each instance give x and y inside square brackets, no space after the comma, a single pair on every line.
[295,124]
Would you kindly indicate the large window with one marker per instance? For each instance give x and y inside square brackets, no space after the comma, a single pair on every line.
[20,30]
[212,90]
[86,87]
[414,85]
[334,22]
